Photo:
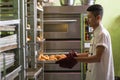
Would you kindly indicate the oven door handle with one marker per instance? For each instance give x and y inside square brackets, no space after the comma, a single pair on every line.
[60,21]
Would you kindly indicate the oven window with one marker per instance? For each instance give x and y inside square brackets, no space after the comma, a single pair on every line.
[55,27]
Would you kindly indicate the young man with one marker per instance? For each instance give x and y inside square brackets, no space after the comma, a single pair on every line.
[99,58]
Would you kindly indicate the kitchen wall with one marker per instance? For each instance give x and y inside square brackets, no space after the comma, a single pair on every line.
[111,20]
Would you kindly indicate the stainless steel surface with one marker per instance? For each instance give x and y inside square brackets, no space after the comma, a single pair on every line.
[87,2]
[67,2]
[12,75]
[62,31]
[34,73]
[62,46]
[9,22]
[55,67]
[55,72]
[65,9]
[62,26]
[62,76]
[35,33]
[60,21]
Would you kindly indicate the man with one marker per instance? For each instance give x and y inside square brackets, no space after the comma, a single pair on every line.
[99,58]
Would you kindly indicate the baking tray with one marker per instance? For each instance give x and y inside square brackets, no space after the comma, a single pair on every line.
[7,65]
[47,61]
[51,53]
[12,74]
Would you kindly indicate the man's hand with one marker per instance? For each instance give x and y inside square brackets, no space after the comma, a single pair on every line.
[69,61]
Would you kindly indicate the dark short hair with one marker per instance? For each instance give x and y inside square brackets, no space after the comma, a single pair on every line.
[96,9]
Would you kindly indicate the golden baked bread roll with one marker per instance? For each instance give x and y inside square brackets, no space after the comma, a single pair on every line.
[42,60]
[60,56]
[51,57]
[63,55]
[38,39]
[45,57]
[28,39]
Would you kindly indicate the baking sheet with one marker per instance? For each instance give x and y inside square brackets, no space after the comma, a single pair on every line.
[9,60]
[47,61]
[51,53]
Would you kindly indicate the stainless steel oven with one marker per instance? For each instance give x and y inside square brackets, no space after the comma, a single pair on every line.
[54,72]
[62,26]
[62,31]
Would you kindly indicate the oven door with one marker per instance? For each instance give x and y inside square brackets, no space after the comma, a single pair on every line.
[62,32]
[62,76]
[62,45]
[62,28]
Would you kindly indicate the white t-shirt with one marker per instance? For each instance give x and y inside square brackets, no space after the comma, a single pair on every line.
[103,70]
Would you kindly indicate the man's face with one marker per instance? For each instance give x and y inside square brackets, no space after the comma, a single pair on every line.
[92,20]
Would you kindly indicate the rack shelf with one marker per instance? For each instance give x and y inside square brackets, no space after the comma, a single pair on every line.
[34,73]
[39,9]
[9,60]
[8,43]
[34,29]
[34,33]
[6,3]
[7,28]
[8,47]
[9,22]
[8,65]
[12,74]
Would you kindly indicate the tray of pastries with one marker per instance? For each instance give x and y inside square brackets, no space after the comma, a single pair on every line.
[50,58]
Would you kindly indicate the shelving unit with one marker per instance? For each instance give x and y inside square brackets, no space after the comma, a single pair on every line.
[87,34]
[10,43]
[34,37]
[87,29]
